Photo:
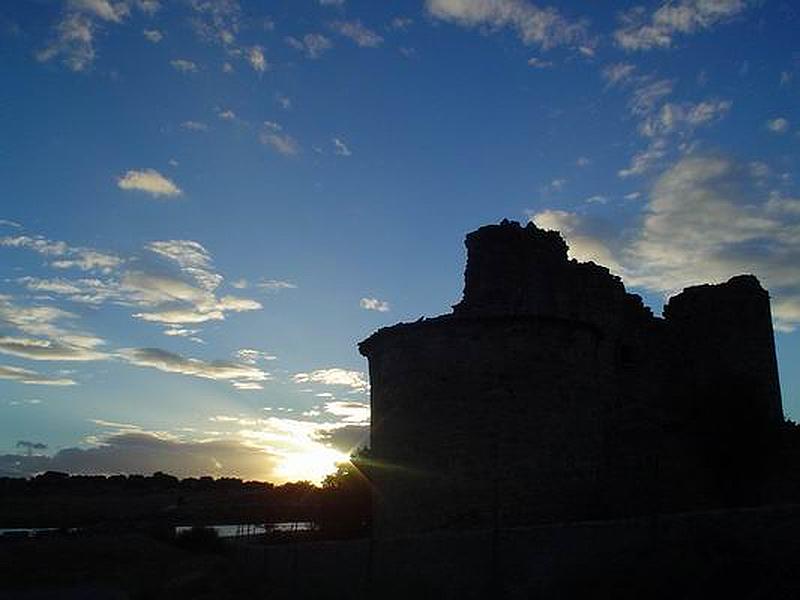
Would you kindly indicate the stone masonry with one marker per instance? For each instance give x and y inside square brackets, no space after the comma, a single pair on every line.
[550,394]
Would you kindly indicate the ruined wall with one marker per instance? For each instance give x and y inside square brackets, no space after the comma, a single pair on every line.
[472,421]
[551,394]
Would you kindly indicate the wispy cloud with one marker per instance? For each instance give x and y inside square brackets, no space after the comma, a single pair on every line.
[618,73]
[706,220]
[544,27]
[778,125]
[272,135]
[640,30]
[73,41]
[539,63]
[684,117]
[153,35]
[242,376]
[340,148]
[251,356]
[45,333]
[645,159]
[216,21]
[195,126]
[313,45]
[274,285]
[358,33]
[63,256]
[31,377]
[183,65]
[335,376]
[74,34]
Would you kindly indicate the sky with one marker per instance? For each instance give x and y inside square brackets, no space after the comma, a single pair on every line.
[206,204]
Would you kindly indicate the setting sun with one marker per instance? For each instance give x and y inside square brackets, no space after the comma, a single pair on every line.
[312,465]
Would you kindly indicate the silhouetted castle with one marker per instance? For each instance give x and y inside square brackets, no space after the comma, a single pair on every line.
[551,394]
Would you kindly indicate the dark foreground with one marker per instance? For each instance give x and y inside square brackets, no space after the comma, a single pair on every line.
[744,553]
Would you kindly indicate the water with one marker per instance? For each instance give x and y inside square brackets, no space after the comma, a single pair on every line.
[23,532]
[226,531]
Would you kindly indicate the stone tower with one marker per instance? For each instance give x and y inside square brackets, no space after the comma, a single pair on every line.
[552,394]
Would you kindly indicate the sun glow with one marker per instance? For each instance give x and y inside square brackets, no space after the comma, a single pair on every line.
[310,465]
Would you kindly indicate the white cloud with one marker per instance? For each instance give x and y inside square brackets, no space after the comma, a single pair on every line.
[74,34]
[102,9]
[169,362]
[683,117]
[334,376]
[53,340]
[778,125]
[31,377]
[272,135]
[210,309]
[556,185]
[357,32]
[374,304]
[183,65]
[706,220]
[312,44]
[582,246]
[642,31]
[350,412]
[150,182]
[175,331]
[217,21]
[149,7]
[227,115]
[74,42]
[255,56]
[646,159]
[85,290]
[274,285]
[187,254]
[645,97]
[583,161]
[36,243]
[618,73]
[251,356]
[196,126]
[153,35]
[45,349]
[401,23]
[544,27]
[283,101]
[340,148]
[539,63]
[87,259]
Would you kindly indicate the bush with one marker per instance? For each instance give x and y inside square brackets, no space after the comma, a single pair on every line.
[202,539]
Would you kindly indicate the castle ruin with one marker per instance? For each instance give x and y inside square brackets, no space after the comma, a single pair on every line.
[550,394]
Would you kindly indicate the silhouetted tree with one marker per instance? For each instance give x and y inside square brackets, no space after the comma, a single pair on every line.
[346,509]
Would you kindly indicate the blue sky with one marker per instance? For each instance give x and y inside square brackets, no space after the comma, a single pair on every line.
[208,203]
